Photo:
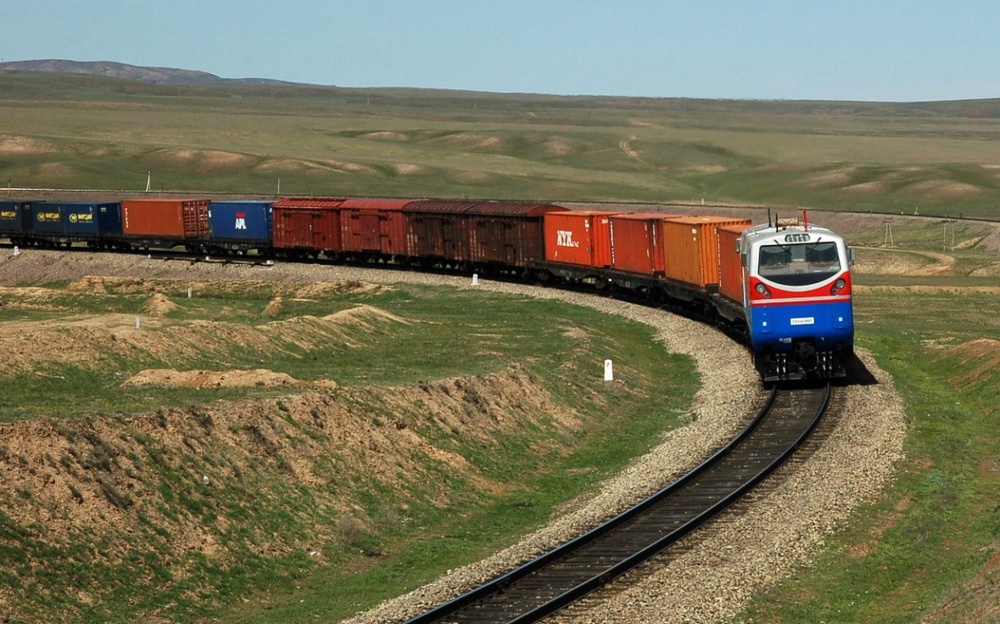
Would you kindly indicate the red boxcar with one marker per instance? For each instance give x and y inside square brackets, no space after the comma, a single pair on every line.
[477,233]
[374,227]
[637,242]
[730,264]
[692,249]
[165,219]
[580,237]
[308,225]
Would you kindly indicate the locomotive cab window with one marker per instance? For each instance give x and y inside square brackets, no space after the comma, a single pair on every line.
[799,264]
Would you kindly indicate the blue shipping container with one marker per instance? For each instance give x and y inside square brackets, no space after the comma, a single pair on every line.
[240,224]
[15,217]
[78,220]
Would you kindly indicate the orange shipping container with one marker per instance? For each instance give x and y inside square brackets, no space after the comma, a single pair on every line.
[730,265]
[580,237]
[165,218]
[637,242]
[692,249]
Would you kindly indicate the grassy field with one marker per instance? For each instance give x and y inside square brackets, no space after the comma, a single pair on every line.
[926,551]
[89,132]
[109,486]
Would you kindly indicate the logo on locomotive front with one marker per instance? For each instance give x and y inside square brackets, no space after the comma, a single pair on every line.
[241,220]
[564,238]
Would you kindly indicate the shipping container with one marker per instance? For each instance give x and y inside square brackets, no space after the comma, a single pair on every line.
[692,249]
[477,233]
[637,242]
[374,227]
[77,221]
[15,219]
[578,237]
[165,220]
[240,225]
[308,225]
[730,263]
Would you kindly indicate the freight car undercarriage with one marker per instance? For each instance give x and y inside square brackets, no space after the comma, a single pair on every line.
[803,361]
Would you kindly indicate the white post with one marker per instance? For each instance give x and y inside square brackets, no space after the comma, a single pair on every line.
[189,292]
[608,373]
[137,322]
[17,252]
[475,279]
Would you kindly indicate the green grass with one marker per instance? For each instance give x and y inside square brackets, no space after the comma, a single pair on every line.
[922,544]
[432,520]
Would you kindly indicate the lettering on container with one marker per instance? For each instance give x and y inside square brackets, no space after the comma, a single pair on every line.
[81,217]
[47,216]
[564,238]
[8,214]
[805,320]
[241,220]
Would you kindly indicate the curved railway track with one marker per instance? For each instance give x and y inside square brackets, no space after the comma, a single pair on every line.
[571,571]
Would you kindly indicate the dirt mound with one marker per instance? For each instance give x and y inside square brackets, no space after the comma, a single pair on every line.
[159,304]
[981,357]
[210,379]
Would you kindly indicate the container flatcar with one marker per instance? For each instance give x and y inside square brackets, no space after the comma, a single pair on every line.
[64,223]
[166,223]
[240,226]
[15,220]
[637,243]
[578,237]
[691,247]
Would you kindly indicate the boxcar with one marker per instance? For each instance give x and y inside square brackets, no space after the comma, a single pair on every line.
[692,249]
[374,229]
[166,223]
[308,226]
[578,237]
[241,226]
[487,235]
[637,242]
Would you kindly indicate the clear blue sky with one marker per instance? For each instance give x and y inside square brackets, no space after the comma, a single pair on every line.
[768,49]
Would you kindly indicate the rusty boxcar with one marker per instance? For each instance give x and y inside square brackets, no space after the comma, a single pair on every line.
[374,228]
[477,234]
[307,226]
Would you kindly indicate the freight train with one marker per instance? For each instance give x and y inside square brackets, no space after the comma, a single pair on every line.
[786,285]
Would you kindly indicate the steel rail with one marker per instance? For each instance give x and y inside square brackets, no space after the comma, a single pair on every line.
[589,561]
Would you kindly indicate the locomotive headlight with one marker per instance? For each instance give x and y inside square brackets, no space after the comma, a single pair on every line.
[838,286]
[762,290]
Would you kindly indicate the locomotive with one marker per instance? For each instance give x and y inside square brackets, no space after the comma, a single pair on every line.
[786,285]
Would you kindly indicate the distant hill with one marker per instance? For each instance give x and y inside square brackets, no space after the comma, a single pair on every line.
[151,75]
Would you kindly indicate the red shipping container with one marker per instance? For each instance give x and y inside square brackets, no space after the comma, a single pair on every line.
[692,249]
[308,224]
[581,237]
[730,263]
[637,242]
[165,218]
[374,226]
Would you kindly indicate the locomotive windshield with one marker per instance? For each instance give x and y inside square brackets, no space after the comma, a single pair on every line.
[799,264]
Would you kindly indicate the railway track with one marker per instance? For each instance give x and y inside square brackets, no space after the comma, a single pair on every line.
[571,571]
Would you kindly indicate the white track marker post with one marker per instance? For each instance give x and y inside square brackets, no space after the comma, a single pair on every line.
[475,279]
[609,374]
[137,322]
